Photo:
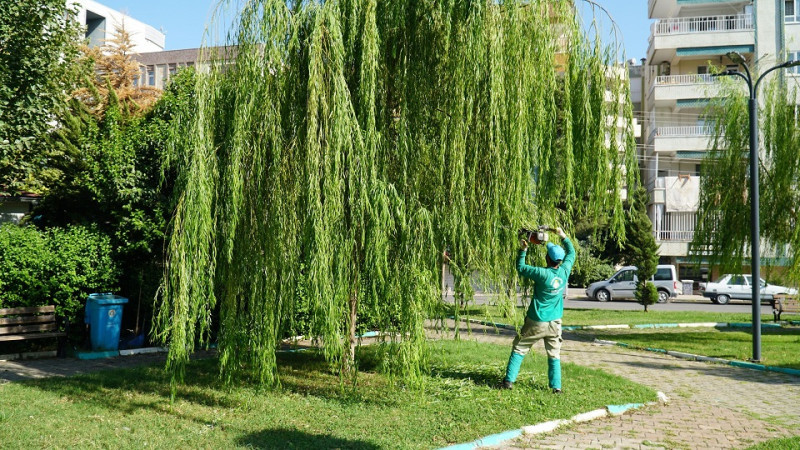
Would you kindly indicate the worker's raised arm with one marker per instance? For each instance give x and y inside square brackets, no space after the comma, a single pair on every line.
[569,258]
[530,272]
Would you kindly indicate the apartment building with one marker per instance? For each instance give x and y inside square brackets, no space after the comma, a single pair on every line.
[687,37]
[102,23]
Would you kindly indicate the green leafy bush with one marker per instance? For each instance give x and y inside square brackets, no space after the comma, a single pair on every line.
[589,268]
[58,266]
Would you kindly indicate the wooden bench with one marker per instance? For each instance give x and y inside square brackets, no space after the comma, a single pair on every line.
[785,304]
[37,322]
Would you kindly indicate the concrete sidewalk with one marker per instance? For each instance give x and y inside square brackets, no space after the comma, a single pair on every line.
[711,405]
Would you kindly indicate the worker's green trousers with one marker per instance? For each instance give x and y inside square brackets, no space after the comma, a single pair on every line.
[531,332]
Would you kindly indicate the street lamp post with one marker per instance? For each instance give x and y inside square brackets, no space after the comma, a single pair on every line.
[755,258]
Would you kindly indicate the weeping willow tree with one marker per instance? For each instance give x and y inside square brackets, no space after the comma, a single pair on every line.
[723,228]
[344,146]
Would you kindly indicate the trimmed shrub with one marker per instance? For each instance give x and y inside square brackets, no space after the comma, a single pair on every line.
[58,266]
[646,294]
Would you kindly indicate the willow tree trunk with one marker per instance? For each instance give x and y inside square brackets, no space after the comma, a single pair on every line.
[351,356]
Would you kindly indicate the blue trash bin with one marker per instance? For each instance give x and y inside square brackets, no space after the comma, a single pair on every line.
[104,316]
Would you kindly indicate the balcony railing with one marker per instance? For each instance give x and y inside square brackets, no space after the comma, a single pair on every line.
[705,24]
[672,80]
[676,227]
[683,131]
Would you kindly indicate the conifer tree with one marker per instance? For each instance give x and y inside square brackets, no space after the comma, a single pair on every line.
[642,248]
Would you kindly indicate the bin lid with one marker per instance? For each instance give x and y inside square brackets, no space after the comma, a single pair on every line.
[106,299]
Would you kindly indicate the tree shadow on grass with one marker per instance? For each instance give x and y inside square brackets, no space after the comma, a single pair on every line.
[131,389]
[478,378]
[284,438]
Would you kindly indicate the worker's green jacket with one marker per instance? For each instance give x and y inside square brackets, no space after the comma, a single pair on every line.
[549,283]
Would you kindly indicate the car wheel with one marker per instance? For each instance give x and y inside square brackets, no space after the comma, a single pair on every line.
[663,296]
[723,299]
[602,295]
[713,300]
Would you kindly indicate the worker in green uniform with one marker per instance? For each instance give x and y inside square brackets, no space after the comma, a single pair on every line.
[543,320]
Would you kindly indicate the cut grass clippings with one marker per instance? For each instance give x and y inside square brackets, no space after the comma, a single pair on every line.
[459,403]
[780,347]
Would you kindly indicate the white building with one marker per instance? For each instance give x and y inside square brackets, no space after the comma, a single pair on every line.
[102,22]
[687,37]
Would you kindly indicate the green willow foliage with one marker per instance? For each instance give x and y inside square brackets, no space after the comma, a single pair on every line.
[723,226]
[361,139]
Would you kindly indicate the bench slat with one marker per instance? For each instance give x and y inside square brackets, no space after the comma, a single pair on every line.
[23,337]
[44,318]
[28,310]
[20,329]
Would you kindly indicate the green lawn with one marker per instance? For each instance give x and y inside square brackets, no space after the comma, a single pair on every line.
[790,443]
[779,347]
[607,317]
[127,408]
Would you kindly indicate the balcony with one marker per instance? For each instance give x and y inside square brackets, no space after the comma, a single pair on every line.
[668,90]
[673,211]
[674,232]
[676,227]
[700,36]
[669,8]
[671,139]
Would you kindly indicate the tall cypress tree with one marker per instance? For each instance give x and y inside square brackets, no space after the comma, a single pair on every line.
[642,249]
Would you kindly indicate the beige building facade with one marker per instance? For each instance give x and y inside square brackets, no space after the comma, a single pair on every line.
[687,38]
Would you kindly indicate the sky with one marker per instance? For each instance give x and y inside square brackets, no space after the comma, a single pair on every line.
[184,21]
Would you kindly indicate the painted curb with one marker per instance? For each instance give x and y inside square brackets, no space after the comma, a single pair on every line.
[96,354]
[702,325]
[640,325]
[655,325]
[141,351]
[591,415]
[604,327]
[784,370]
[618,410]
[546,427]
[693,357]
[493,439]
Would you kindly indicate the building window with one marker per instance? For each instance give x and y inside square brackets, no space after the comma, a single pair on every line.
[790,11]
[793,56]
[151,76]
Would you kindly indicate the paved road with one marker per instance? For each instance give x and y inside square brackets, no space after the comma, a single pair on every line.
[682,303]
[577,299]
[711,406]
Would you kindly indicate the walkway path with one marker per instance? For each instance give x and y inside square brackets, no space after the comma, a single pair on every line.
[711,405]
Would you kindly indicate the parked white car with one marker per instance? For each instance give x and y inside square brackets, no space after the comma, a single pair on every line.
[736,286]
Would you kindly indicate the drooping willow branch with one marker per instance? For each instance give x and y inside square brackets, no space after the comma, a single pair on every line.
[722,236]
[342,146]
